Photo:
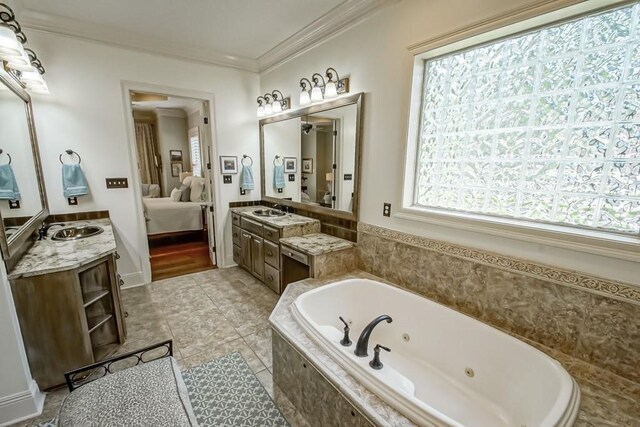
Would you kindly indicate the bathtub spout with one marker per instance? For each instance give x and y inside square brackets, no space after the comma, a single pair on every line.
[363,341]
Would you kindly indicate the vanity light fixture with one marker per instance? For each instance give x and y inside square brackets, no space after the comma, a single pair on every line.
[261,112]
[316,92]
[268,108]
[305,84]
[23,63]
[330,89]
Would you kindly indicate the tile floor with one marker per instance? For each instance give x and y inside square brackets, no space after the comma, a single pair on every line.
[208,315]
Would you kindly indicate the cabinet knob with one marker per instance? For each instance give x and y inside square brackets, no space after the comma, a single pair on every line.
[235,234]
[270,278]
[121,282]
[268,233]
[117,255]
[269,253]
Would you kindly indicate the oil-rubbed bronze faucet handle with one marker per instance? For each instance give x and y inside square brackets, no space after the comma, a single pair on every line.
[375,362]
[345,340]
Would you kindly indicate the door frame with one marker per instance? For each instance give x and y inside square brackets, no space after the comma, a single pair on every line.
[210,136]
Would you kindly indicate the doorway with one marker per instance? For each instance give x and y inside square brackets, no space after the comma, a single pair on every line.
[173,152]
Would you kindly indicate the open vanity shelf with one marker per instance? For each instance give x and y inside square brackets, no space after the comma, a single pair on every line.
[69,318]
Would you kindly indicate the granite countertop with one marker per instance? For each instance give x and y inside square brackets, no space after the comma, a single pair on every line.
[287,220]
[317,243]
[606,398]
[49,256]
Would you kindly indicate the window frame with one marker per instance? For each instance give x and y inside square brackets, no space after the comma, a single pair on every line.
[608,243]
[195,132]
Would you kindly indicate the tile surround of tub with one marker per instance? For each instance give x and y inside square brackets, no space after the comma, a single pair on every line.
[574,320]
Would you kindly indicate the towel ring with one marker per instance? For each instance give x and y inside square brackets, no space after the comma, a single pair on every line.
[244,156]
[8,155]
[276,159]
[70,152]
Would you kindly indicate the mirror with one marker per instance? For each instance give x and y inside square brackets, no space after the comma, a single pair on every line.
[22,202]
[310,157]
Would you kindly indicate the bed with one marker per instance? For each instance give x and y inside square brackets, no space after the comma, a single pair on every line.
[148,391]
[164,216]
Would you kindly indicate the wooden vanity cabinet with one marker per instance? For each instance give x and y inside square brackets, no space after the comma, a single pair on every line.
[70,318]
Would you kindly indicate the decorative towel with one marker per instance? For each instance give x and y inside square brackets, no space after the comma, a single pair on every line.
[73,181]
[8,184]
[278,176]
[246,178]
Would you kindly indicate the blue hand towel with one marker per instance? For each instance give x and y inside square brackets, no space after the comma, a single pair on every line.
[73,181]
[246,178]
[278,176]
[8,184]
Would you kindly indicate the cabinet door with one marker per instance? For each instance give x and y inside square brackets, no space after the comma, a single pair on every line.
[257,257]
[245,245]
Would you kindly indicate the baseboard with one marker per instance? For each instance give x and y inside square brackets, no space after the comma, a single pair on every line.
[21,406]
[132,280]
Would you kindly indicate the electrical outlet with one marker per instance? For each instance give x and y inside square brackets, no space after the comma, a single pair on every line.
[14,204]
[386,210]
[227,179]
[292,177]
[117,183]
[72,201]
[242,191]
[279,190]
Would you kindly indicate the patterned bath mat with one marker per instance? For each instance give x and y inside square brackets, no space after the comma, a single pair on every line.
[224,392]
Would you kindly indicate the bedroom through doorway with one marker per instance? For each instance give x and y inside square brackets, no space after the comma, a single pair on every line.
[172,153]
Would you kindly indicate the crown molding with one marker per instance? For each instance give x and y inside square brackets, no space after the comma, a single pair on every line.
[337,20]
[50,23]
[170,112]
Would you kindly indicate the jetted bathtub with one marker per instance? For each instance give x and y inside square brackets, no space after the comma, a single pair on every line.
[444,368]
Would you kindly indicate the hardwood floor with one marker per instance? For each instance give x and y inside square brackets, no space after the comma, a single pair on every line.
[177,259]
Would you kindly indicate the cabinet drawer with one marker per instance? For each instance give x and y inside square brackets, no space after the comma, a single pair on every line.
[235,219]
[235,233]
[237,254]
[271,254]
[272,278]
[271,233]
[251,226]
[298,256]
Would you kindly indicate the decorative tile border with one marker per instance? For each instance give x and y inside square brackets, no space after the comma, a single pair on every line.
[608,288]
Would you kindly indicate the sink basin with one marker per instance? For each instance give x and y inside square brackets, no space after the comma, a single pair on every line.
[269,212]
[75,233]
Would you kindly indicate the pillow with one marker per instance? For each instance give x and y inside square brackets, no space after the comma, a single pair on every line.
[154,190]
[187,181]
[185,192]
[197,190]
[145,189]
[175,195]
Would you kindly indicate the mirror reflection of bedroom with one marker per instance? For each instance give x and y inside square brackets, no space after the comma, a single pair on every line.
[171,146]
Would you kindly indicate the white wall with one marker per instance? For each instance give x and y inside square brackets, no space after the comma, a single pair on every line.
[19,395]
[86,112]
[375,55]
[282,139]
[172,135]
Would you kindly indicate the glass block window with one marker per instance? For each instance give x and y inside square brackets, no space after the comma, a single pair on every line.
[541,126]
[196,162]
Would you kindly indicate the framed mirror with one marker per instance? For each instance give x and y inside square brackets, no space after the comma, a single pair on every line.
[311,157]
[23,203]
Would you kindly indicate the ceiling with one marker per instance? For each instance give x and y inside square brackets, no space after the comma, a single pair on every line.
[246,34]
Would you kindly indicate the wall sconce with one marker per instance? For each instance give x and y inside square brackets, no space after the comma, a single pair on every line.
[305,84]
[23,62]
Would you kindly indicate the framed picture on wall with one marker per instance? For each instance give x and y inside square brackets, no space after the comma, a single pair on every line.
[175,155]
[176,168]
[307,165]
[290,165]
[228,164]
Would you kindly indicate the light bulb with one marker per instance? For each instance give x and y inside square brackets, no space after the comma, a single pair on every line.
[9,44]
[277,107]
[20,63]
[330,90]
[31,78]
[268,109]
[304,98]
[316,94]
[260,111]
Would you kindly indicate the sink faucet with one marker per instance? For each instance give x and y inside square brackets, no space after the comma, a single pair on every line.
[44,229]
[282,208]
[363,341]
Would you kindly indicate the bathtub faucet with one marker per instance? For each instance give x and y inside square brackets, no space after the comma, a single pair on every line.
[363,341]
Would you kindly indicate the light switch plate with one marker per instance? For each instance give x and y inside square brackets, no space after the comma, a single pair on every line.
[73,201]
[292,177]
[117,183]
[14,204]
[227,179]
[242,191]
[386,210]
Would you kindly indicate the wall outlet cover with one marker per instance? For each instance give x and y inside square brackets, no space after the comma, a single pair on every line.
[14,204]
[227,179]
[279,190]
[73,201]
[386,210]
[348,176]
[292,177]
[242,191]
[117,183]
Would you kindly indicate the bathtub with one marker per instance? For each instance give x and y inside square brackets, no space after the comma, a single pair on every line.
[444,368]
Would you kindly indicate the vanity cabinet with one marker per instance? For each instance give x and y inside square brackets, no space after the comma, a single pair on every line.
[69,318]
[256,249]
